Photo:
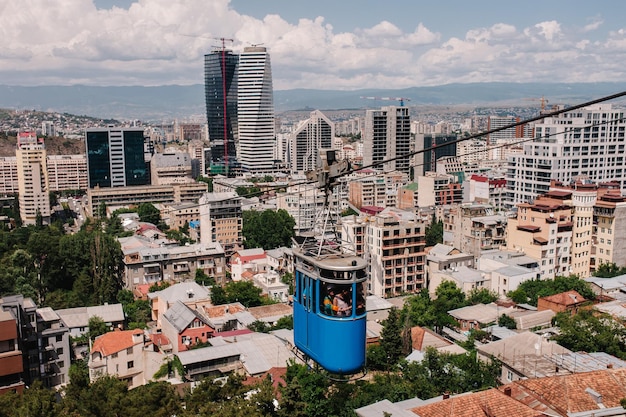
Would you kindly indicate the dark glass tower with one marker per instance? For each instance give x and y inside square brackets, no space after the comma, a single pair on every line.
[220,91]
[116,157]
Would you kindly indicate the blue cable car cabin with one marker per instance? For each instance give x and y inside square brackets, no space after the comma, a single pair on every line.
[329,310]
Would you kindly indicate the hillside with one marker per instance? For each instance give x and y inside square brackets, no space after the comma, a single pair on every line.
[54,146]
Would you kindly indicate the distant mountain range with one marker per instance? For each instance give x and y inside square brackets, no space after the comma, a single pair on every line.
[176,101]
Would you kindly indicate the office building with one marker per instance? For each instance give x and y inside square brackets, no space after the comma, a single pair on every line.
[587,142]
[255,105]
[32,176]
[437,146]
[116,157]
[315,133]
[387,136]
[220,92]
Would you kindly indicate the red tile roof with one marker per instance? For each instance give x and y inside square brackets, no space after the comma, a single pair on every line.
[490,403]
[567,298]
[116,341]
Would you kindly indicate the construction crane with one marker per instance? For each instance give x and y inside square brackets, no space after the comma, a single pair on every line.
[541,99]
[400,99]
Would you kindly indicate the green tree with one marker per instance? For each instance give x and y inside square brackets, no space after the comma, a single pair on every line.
[244,292]
[434,232]
[449,297]
[248,191]
[391,337]
[37,401]
[507,321]
[481,296]
[218,295]
[268,229]
[530,291]
[591,331]
[202,278]
[609,270]
[149,214]
[97,327]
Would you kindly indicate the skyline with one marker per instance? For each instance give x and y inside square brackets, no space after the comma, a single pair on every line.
[362,44]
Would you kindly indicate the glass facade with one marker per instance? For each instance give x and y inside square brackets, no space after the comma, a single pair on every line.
[98,160]
[136,172]
[220,79]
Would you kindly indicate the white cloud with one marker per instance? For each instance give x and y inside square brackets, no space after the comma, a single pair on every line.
[156,42]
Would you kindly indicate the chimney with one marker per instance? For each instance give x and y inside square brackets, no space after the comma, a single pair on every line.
[507,391]
[446,395]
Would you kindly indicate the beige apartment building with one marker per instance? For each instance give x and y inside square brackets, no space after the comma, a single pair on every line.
[32,176]
[474,228]
[395,251]
[543,230]
[609,226]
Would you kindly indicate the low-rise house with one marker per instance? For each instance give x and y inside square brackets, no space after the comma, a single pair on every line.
[444,257]
[270,314]
[478,316]
[423,338]
[253,260]
[77,319]
[185,326]
[596,393]
[271,286]
[532,319]
[189,293]
[566,301]
[467,279]
[125,355]
[525,355]
[252,353]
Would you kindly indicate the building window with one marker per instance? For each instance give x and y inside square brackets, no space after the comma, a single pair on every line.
[114,355]
[59,338]
[61,364]
[509,376]
[59,351]
[129,351]
[130,364]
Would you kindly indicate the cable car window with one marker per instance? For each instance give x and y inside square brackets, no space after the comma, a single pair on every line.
[360,273]
[325,273]
[361,295]
[342,301]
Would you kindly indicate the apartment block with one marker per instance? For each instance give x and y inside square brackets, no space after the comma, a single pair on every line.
[543,230]
[67,172]
[221,221]
[11,364]
[474,228]
[395,252]
[32,175]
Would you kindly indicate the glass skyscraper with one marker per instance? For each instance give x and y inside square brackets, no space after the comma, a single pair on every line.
[116,157]
[220,91]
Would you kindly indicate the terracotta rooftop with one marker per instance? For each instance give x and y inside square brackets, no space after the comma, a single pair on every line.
[575,393]
[567,298]
[116,341]
[219,311]
[490,403]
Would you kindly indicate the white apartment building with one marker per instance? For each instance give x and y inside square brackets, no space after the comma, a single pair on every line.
[587,142]
[255,112]
[303,203]
[315,133]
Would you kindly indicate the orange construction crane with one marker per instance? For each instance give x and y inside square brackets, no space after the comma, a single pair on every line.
[400,99]
[543,101]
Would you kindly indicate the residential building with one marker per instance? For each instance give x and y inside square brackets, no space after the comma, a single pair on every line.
[472,151]
[507,269]
[128,196]
[125,354]
[395,253]
[543,231]
[478,316]
[170,168]
[188,292]
[498,141]
[303,203]
[474,228]
[11,363]
[247,259]
[465,278]
[588,142]
[315,133]
[387,136]
[67,172]
[32,176]
[76,319]
[609,231]
[484,189]
[441,257]
[221,220]
[376,190]
[255,110]
[117,157]
[185,327]
[9,183]
[147,262]
[54,355]
[220,91]
[438,190]
[570,301]
[177,215]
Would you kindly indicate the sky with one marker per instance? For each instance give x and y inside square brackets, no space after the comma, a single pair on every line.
[320,44]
